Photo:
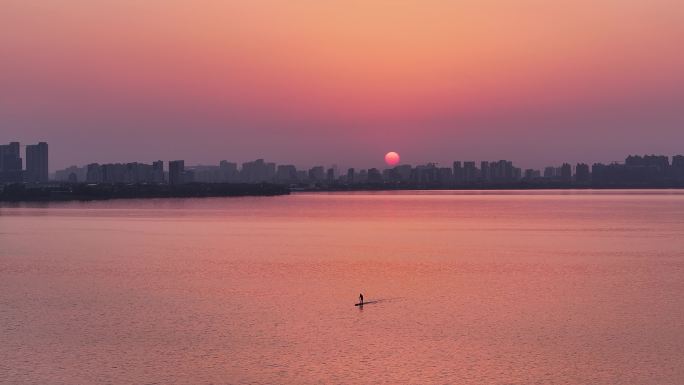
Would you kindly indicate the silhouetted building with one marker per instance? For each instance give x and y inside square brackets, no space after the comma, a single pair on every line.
[402,173]
[470,172]
[37,162]
[176,171]
[566,173]
[426,174]
[158,171]
[258,171]
[93,173]
[374,176]
[229,171]
[582,173]
[485,172]
[677,168]
[531,174]
[445,175]
[501,171]
[11,164]
[458,172]
[204,174]
[350,176]
[622,175]
[549,172]
[65,175]
[286,173]
[317,174]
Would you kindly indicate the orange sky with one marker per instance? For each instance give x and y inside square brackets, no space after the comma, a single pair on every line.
[306,81]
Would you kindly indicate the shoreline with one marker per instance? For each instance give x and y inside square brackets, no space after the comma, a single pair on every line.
[101,192]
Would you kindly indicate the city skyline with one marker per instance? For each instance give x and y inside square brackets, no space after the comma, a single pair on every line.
[378,163]
[343,82]
[649,169]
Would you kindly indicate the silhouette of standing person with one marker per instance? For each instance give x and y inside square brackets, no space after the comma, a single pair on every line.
[360,298]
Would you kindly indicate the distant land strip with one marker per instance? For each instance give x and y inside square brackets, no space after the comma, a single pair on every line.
[519,185]
[88,192]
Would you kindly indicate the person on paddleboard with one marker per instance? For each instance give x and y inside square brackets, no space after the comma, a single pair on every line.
[360,298]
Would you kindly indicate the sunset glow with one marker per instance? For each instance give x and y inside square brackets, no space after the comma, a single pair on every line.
[477,78]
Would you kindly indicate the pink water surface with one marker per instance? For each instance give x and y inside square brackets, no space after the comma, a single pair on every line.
[472,288]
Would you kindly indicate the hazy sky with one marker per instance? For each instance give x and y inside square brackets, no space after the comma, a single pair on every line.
[309,82]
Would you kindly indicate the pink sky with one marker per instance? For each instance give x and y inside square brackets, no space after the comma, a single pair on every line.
[343,82]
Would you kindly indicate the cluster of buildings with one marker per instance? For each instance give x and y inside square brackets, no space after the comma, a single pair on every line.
[648,170]
[12,163]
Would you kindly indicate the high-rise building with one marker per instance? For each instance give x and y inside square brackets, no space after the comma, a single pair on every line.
[93,173]
[158,171]
[485,171]
[469,172]
[229,171]
[286,173]
[37,162]
[445,175]
[10,163]
[350,176]
[374,176]
[403,172]
[458,172]
[566,172]
[258,171]
[317,174]
[176,171]
[550,172]
[65,174]
[582,173]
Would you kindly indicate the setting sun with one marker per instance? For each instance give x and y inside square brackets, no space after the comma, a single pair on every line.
[392,158]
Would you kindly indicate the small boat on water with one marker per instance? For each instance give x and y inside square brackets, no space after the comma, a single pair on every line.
[364,303]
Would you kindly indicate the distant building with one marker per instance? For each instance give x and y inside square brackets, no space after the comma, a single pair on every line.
[402,173]
[445,175]
[176,172]
[470,172]
[93,173]
[229,172]
[317,174]
[286,173]
[350,176]
[566,173]
[485,171]
[426,174]
[11,164]
[582,174]
[531,174]
[501,171]
[158,171]
[37,163]
[374,176]
[458,172]
[64,175]
[204,174]
[550,172]
[258,171]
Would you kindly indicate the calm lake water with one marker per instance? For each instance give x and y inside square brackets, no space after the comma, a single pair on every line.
[472,288]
